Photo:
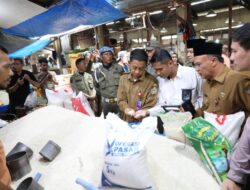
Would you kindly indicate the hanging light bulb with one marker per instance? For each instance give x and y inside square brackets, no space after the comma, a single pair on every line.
[163,30]
[153,38]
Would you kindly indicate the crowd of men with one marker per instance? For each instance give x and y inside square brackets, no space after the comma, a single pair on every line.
[151,82]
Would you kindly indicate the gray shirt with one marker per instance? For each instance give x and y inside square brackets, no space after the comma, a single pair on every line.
[108,80]
[150,69]
[240,161]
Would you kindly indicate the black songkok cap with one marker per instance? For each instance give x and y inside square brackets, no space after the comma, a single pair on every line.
[208,48]
[195,42]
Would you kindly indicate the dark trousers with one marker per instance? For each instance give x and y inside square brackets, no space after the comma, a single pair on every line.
[109,107]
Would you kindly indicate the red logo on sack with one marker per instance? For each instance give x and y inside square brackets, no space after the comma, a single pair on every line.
[77,105]
[220,119]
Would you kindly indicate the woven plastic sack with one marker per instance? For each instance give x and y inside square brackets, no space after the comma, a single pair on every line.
[78,103]
[57,97]
[125,163]
[212,147]
[173,121]
[228,125]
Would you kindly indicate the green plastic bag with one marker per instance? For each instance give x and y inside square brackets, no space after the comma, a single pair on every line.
[212,147]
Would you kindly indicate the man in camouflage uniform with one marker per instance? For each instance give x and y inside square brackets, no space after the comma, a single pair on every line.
[83,81]
[107,78]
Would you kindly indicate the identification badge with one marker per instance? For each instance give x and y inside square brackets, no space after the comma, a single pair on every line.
[138,105]
[139,101]
[186,94]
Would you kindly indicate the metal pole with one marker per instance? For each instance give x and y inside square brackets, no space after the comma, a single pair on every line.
[230,24]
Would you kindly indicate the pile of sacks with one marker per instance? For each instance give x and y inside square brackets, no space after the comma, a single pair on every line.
[172,165]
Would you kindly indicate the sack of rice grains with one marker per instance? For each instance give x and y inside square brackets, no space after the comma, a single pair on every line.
[125,163]
[212,147]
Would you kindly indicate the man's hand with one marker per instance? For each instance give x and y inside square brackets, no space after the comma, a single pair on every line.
[129,111]
[26,77]
[230,185]
[141,114]
[20,82]
[181,109]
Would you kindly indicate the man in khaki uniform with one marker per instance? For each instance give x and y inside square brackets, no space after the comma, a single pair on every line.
[107,78]
[5,74]
[224,91]
[138,89]
[83,81]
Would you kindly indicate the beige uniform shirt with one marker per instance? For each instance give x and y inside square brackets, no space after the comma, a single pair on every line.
[130,92]
[83,83]
[227,93]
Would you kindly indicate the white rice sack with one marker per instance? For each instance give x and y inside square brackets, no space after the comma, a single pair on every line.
[228,125]
[57,97]
[176,166]
[86,106]
[3,123]
[80,137]
[125,162]
[173,121]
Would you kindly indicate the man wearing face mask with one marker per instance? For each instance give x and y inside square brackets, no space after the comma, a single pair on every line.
[107,78]
[5,74]
[138,89]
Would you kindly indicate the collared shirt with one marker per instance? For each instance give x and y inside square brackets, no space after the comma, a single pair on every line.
[240,160]
[227,93]
[83,82]
[131,92]
[171,90]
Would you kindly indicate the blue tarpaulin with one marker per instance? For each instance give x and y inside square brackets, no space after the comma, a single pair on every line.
[65,16]
[30,49]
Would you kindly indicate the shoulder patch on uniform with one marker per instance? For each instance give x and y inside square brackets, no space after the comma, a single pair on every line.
[248,90]
[153,90]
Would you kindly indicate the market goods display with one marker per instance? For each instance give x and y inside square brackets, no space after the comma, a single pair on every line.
[82,140]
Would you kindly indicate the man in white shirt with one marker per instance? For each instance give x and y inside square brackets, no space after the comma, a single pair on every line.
[177,84]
